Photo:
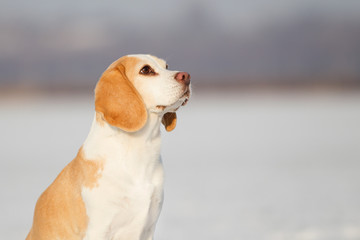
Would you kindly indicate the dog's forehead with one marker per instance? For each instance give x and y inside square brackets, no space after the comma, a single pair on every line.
[149,59]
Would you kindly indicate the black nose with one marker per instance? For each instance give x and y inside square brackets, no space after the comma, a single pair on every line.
[183,77]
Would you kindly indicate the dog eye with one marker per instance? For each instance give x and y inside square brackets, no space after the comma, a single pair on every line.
[167,66]
[147,70]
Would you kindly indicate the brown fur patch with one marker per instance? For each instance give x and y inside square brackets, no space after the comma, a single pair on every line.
[60,211]
[169,120]
[117,99]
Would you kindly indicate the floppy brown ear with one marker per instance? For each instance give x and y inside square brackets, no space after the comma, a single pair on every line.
[119,102]
[169,120]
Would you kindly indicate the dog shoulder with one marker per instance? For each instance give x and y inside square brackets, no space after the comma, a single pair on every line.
[60,211]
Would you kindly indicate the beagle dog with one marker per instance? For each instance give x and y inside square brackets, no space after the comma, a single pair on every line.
[113,189]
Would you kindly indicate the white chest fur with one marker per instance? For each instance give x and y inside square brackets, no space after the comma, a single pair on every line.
[126,201]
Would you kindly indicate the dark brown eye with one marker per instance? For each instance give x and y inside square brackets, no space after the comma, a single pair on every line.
[167,66]
[147,70]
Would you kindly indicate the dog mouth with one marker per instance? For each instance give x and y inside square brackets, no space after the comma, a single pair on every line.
[182,101]
[186,97]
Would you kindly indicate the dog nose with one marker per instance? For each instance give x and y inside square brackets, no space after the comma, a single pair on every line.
[183,77]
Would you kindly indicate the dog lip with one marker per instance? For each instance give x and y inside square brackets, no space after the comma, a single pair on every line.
[185,95]
[185,102]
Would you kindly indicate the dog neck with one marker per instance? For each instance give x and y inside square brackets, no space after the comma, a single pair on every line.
[104,138]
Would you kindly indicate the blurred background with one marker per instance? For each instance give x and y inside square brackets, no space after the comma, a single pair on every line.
[270,139]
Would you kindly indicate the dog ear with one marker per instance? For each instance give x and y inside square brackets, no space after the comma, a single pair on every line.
[118,101]
[169,120]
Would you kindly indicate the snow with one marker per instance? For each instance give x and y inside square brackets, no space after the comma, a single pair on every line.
[239,165]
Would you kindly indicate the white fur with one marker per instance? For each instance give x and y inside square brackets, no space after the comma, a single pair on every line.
[126,202]
[159,90]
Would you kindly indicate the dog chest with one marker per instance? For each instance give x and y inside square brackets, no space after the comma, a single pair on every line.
[126,201]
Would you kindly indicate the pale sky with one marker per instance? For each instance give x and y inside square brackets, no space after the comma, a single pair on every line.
[192,33]
[229,13]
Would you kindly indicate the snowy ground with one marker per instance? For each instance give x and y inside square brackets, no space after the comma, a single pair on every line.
[277,166]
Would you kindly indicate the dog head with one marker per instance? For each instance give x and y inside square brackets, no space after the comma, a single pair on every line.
[134,85]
